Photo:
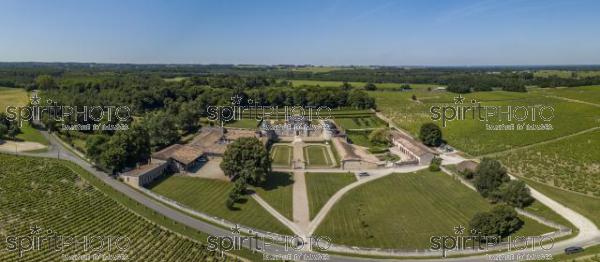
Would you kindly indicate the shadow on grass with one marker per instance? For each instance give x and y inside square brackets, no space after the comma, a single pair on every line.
[276,180]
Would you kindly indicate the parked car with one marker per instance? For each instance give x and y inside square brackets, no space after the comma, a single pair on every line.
[363,174]
[573,250]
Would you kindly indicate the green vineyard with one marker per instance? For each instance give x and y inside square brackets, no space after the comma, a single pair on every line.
[42,198]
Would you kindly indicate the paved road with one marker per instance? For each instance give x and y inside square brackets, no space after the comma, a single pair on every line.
[589,233]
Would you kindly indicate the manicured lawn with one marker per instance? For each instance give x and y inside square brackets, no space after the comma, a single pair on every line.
[572,163]
[209,196]
[317,156]
[470,135]
[281,155]
[277,191]
[28,133]
[405,210]
[360,122]
[321,186]
[585,205]
[243,123]
[361,138]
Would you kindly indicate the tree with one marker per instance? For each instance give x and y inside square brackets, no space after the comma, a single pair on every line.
[95,145]
[346,86]
[514,193]
[3,130]
[458,88]
[126,149]
[405,87]
[501,221]
[507,220]
[248,159]
[370,86]
[161,129]
[13,131]
[45,82]
[489,176]
[380,136]
[360,99]
[431,134]
[484,223]
[435,164]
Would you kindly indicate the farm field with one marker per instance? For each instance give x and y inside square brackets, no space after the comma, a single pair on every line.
[383,86]
[209,196]
[322,186]
[317,156]
[470,135]
[371,122]
[12,97]
[571,163]
[403,211]
[590,94]
[55,194]
[281,155]
[277,191]
[586,205]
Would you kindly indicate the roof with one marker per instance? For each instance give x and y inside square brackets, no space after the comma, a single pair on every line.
[411,144]
[143,169]
[209,140]
[350,152]
[467,165]
[181,153]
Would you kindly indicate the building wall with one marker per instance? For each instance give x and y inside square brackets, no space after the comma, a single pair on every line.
[358,165]
[149,177]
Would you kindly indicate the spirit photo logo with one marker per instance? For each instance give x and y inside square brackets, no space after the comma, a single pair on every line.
[39,239]
[258,243]
[35,112]
[478,242]
[507,115]
[254,110]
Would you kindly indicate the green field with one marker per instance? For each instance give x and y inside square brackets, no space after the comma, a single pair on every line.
[28,133]
[361,138]
[209,196]
[12,97]
[281,155]
[371,122]
[317,156]
[405,210]
[382,86]
[590,94]
[470,135]
[277,191]
[572,163]
[19,97]
[322,186]
[49,195]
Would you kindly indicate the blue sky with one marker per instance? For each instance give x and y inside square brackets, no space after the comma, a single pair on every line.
[325,32]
